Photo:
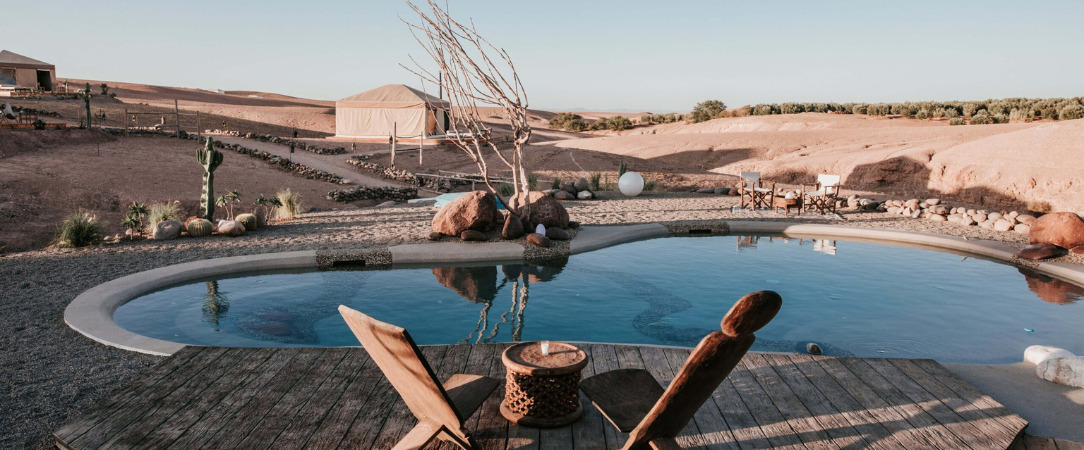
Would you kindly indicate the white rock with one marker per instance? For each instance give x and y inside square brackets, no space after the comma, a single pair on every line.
[1003,225]
[231,228]
[1022,228]
[1068,371]
[933,201]
[994,216]
[1039,353]
[540,229]
[1013,214]
[586,195]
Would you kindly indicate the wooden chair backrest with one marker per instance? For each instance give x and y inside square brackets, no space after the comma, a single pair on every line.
[830,183]
[750,179]
[403,364]
[708,364]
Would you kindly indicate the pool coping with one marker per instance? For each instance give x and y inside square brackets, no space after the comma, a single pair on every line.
[91,313]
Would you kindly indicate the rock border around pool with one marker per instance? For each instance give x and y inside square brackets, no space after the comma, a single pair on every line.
[91,313]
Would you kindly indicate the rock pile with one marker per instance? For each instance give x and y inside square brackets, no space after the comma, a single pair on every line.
[399,194]
[302,145]
[933,209]
[722,190]
[578,190]
[361,162]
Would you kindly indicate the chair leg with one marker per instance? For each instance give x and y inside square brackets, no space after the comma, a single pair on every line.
[421,434]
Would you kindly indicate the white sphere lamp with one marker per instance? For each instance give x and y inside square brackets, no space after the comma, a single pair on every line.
[630,184]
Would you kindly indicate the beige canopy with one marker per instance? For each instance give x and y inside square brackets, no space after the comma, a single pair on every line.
[19,71]
[388,109]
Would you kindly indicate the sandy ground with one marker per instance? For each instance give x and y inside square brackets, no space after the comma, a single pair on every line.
[41,182]
[50,373]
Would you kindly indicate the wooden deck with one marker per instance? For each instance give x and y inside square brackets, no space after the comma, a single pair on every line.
[210,397]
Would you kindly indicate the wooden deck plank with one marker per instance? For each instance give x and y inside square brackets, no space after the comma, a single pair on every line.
[344,412]
[655,360]
[120,417]
[240,425]
[968,411]
[588,432]
[330,398]
[773,425]
[965,430]
[831,419]
[171,429]
[915,413]
[211,422]
[709,419]
[607,358]
[969,394]
[133,390]
[868,422]
[811,432]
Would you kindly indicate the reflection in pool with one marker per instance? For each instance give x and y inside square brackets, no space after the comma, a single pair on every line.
[852,298]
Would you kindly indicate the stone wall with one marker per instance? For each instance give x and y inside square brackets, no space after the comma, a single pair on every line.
[282,141]
[399,194]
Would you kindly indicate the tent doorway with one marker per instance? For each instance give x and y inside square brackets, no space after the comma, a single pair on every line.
[45,80]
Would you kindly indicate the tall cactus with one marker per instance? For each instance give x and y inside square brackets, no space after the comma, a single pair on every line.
[86,99]
[209,158]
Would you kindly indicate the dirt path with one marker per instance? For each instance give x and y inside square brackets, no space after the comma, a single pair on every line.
[335,164]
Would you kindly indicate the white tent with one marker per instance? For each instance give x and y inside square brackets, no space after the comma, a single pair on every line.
[18,71]
[392,108]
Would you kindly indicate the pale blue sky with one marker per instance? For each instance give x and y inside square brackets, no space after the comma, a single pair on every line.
[603,55]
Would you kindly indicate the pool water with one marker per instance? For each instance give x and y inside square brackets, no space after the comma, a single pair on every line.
[851,298]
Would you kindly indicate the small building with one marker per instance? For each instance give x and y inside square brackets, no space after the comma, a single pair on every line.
[390,109]
[18,72]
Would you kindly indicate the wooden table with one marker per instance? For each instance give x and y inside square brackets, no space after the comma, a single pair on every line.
[787,203]
[542,390]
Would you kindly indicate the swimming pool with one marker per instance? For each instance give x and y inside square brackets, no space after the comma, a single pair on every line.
[851,298]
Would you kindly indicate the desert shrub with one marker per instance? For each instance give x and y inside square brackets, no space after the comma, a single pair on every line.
[981,118]
[951,112]
[556,184]
[1048,113]
[532,181]
[568,121]
[763,110]
[957,121]
[594,180]
[661,118]
[38,124]
[922,114]
[79,229]
[162,211]
[1001,118]
[616,123]
[105,88]
[506,190]
[291,204]
[1071,112]
[972,108]
[650,185]
[1021,116]
[707,110]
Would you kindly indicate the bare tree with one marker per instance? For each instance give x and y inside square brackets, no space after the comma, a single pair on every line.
[473,72]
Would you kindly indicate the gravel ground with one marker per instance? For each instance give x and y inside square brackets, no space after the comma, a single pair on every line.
[49,373]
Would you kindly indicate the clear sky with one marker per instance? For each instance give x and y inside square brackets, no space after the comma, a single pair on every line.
[603,55]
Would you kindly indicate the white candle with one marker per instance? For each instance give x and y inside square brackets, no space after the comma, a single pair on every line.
[545,348]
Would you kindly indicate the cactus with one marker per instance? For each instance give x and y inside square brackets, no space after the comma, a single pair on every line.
[199,227]
[209,158]
[248,220]
[86,99]
[622,167]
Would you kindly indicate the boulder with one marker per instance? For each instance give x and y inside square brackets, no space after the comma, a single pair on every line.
[1068,371]
[538,239]
[569,187]
[574,224]
[564,195]
[1003,225]
[557,234]
[1064,229]
[1078,249]
[1040,251]
[980,218]
[473,235]
[722,191]
[994,216]
[513,227]
[937,218]
[166,229]
[1022,228]
[475,210]
[231,228]
[434,236]
[545,210]
[581,184]
[853,202]
[933,201]
[1039,353]
[585,195]
[967,221]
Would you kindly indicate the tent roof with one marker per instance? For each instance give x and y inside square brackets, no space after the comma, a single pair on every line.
[15,59]
[390,96]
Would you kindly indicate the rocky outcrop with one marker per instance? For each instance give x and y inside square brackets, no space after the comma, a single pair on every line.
[545,210]
[475,210]
[1063,229]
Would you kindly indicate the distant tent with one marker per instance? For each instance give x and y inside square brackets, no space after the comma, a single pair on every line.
[375,113]
[19,71]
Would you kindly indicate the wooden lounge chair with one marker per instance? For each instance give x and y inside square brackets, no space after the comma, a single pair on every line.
[441,409]
[753,193]
[823,195]
[635,403]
